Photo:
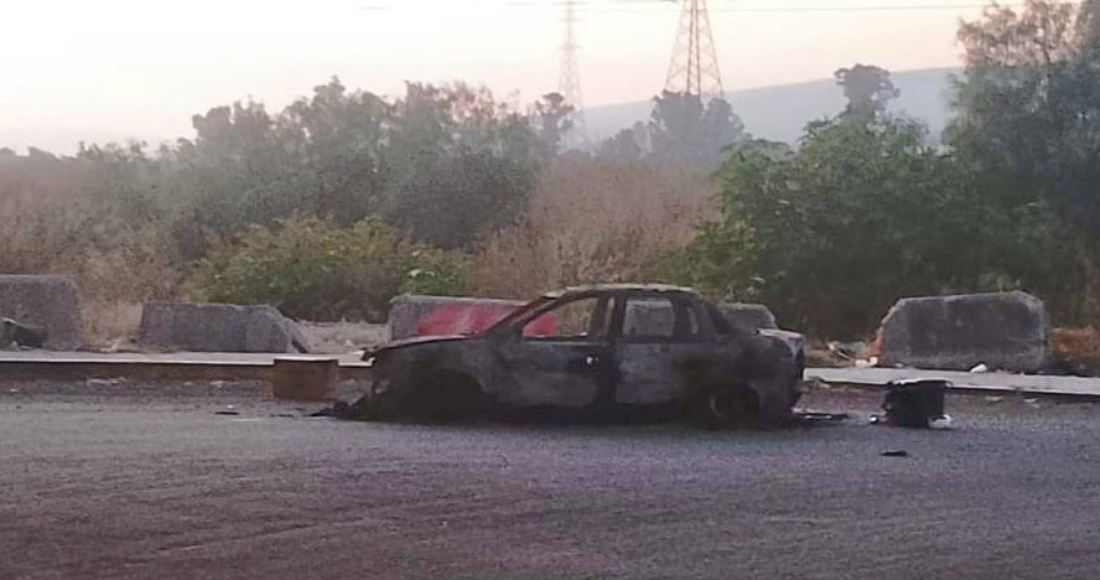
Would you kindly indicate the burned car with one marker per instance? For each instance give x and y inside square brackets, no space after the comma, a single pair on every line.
[599,351]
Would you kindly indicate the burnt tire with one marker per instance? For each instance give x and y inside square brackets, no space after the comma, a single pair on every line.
[444,398]
[726,406]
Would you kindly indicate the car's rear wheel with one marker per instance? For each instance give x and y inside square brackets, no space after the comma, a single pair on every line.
[444,398]
[724,406]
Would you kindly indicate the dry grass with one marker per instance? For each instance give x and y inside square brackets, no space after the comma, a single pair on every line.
[109,324]
[344,337]
[590,221]
[48,225]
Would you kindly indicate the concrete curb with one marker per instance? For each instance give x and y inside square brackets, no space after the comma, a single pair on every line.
[972,382]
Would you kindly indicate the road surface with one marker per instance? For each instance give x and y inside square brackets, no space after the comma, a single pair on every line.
[117,481]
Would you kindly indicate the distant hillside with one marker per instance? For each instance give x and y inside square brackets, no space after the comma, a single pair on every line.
[780,113]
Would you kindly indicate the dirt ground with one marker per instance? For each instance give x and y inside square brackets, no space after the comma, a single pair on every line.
[343,337]
[116,480]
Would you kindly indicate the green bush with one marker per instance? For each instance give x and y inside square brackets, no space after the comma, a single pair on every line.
[312,269]
[860,216]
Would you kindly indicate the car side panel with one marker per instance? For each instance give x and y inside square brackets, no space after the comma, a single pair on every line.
[400,367]
[548,373]
[656,374]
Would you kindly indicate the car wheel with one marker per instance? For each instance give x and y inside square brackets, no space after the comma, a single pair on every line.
[723,406]
[445,398]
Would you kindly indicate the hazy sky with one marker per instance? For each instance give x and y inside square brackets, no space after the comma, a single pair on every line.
[115,69]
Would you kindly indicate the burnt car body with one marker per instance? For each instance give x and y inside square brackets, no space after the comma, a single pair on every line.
[600,351]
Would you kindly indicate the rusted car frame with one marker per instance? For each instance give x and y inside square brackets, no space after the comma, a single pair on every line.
[634,350]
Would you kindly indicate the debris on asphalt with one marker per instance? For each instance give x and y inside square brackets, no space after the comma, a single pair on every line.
[867,363]
[898,453]
[980,369]
[849,351]
[822,417]
[943,422]
[228,413]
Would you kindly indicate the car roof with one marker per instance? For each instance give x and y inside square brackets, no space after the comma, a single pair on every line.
[614,288]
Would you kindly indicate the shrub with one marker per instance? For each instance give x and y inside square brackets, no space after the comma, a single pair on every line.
[312,269]
[861,216]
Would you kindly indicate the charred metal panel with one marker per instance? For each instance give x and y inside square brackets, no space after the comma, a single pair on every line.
[653,374]
[417,359]
[535,373]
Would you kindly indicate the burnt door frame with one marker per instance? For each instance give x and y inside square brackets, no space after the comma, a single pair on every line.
[678,348]
[588,358]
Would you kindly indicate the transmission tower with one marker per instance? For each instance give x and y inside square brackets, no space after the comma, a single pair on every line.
[569,85]
[694,68]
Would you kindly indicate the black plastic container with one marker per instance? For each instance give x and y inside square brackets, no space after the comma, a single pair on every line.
[915,403]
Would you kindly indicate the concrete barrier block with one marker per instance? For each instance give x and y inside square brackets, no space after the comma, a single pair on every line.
[45,302]
[220,328]
[1006,331]
[268,330]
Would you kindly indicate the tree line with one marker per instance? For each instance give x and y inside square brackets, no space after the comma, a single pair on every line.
[344,198]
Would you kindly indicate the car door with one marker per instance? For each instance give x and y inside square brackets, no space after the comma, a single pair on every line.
[663,343]
[557,357]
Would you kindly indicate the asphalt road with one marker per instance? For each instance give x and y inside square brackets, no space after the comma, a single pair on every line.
[116,481]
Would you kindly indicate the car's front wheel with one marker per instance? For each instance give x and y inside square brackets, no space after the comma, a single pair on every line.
[443,398]
[723,406]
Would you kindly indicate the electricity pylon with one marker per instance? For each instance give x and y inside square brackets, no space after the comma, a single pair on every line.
[569,85]
[694,68]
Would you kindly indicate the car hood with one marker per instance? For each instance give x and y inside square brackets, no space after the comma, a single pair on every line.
[794,340]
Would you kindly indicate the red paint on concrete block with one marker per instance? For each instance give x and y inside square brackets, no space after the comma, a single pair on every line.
[473,317]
